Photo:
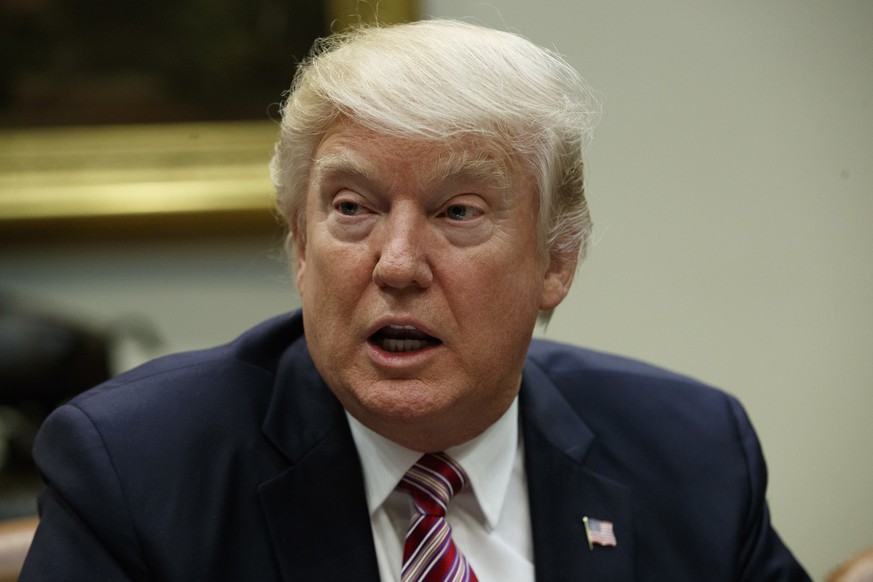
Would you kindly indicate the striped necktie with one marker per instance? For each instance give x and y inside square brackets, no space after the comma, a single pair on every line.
[429,554]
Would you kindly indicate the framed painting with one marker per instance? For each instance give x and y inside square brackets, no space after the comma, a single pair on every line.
[115,115]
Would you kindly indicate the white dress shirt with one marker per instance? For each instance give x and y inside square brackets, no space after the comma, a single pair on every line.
[490,519]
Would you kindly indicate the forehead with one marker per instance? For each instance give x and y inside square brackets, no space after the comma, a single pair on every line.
[348,148]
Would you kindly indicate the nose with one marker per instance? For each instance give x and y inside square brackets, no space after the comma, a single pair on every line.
[401,253]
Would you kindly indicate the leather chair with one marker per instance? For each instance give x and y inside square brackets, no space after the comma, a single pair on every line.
[857,569]
[15,538]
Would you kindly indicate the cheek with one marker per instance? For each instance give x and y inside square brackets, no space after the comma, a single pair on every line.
[496,288]
[332,271]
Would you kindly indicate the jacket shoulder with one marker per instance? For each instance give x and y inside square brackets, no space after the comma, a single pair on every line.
[559,360]
[134,464]
[613,393]
[254,354]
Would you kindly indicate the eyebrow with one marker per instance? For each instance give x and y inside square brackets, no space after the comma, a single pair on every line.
[461,164]
[339,163]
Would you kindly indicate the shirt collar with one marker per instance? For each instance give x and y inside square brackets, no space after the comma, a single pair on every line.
[487,459]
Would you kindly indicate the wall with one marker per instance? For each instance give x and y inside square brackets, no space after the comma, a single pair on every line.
[731,181]
[187,292]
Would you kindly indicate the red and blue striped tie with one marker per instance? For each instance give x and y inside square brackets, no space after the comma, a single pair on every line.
[429,554]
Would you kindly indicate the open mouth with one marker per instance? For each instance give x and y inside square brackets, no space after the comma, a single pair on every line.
[402,338]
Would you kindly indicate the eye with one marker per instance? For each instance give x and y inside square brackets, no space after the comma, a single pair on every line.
[348,208]
[459,212]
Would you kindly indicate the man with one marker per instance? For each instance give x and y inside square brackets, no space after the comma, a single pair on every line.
[431,178]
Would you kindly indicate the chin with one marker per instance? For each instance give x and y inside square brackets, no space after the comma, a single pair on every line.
[403,403]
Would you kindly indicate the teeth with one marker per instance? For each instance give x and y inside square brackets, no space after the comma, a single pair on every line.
[402,327]
[402,345]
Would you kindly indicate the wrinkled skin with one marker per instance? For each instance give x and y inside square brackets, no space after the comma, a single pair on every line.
[421,279]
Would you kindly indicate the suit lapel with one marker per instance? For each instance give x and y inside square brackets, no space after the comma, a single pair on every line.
[316,509]
[563,489]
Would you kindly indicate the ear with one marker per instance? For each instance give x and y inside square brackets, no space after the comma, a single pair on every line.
[299,241]
[557,279]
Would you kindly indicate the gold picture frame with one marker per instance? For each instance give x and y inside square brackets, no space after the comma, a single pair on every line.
[119,179]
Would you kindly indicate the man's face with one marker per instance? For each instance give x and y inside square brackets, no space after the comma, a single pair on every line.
[421,281]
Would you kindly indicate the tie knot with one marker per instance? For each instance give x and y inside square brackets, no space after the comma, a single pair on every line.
[433,481]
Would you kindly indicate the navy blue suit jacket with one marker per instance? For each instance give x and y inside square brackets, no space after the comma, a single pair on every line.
[237,463]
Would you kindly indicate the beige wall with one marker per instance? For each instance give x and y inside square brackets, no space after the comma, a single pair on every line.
[731,181]
[192,292]
[732,186]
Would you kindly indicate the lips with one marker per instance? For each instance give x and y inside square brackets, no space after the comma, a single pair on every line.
[402,338]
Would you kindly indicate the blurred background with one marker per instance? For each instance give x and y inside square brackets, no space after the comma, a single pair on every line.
[731,181]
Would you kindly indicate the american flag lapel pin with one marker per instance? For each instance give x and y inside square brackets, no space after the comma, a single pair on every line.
[599,532]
